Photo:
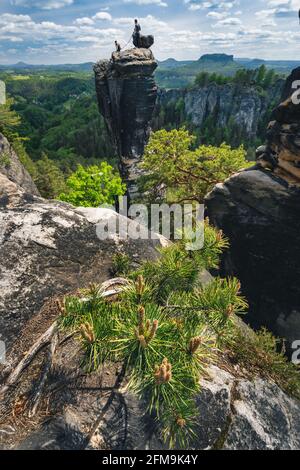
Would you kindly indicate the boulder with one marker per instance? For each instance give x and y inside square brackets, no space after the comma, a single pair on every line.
[258,210]
[144,42]
[259,213]
[48,248]
[126,92]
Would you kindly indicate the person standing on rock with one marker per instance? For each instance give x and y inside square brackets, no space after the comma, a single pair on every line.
[118,46]
[137,33]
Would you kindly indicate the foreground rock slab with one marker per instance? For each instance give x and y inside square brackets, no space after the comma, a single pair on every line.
[49,248]
[97,412]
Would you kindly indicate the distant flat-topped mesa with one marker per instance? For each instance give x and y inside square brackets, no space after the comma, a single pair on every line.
[127,92]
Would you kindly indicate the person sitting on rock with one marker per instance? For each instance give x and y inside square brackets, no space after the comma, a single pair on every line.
[137,33]
[118,46]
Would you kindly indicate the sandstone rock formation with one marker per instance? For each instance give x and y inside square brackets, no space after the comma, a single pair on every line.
[282,152]
[13,169]
[127,93]
[258,210]
[49,248]
[243,109]
[144,42]
[97,412]
[260,214]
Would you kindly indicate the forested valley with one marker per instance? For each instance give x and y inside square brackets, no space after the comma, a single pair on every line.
[60,127]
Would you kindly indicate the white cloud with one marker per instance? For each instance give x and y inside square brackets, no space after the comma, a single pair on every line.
[43,4]
[280,9]
[102,15]
[228,22]
[213,5]
[85,21]
[159,3]
[216,15]
[87,39]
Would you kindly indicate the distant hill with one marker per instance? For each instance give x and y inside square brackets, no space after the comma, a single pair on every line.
[173,63]
[220,58]
[23,67]
[177,74]
[171,73]
[284,66]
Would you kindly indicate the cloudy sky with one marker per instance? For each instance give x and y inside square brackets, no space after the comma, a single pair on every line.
[60,31]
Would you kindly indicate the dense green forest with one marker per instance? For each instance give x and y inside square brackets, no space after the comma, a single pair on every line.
[60,117]
[60,125]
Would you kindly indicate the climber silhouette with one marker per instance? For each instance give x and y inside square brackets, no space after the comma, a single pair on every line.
[136,33]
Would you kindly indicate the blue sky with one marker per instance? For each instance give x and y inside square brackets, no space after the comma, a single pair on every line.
[73,31]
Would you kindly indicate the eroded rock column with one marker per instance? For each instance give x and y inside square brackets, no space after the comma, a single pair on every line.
[127,92]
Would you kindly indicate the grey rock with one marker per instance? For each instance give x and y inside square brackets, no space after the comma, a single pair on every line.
[48,248]
[11,167]
[126,92]
[260,215]
[263,418]
[144,42]
[234,414]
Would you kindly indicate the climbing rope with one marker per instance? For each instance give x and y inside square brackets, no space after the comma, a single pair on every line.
[124,47]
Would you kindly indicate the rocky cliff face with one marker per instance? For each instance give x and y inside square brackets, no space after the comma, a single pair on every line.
[260,214]
[127,93]
[228,105]
[11,167]
[282,152]
[259,211]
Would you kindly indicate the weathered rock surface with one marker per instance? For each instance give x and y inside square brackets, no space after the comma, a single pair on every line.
[144,42]
[98,412]
[126,92]
[11,167]
[282,152]
[261,216]
[259,211]
[49,248]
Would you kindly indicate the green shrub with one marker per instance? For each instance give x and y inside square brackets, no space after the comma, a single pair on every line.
[120,264]
[170,162]
[93,186]
[166,328]
[261,354]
